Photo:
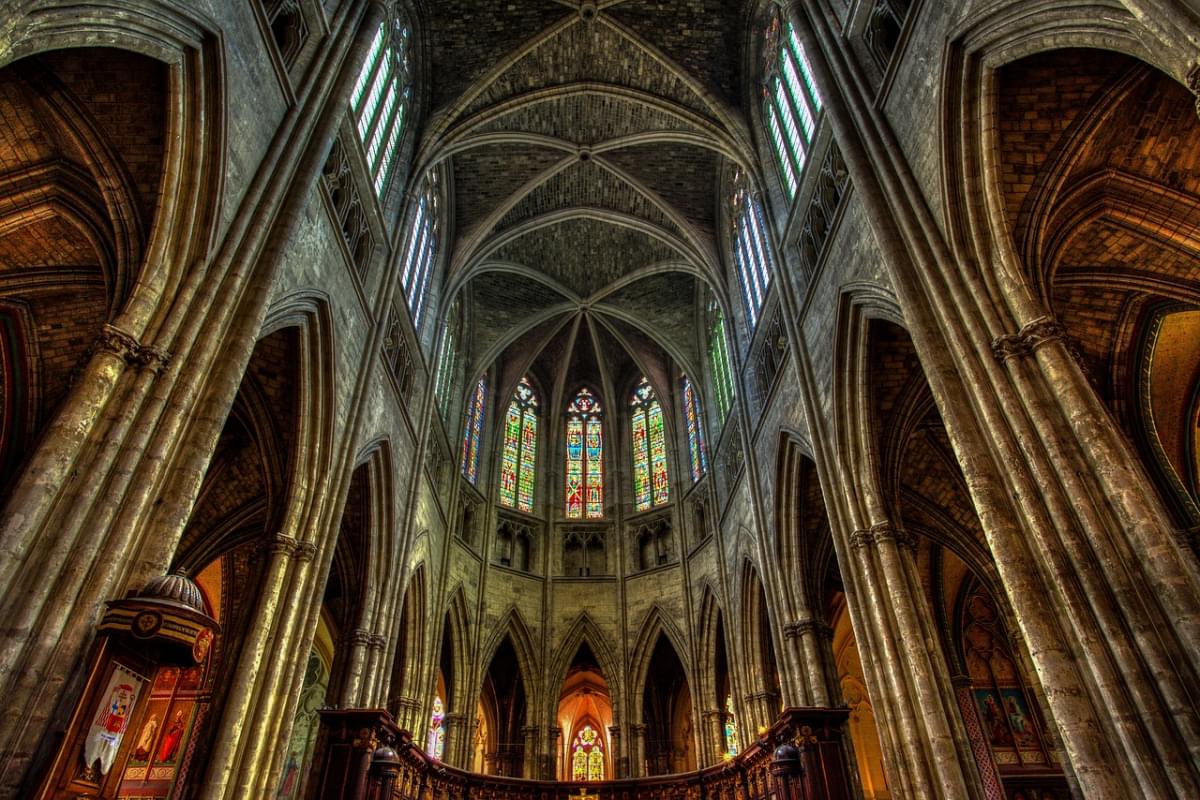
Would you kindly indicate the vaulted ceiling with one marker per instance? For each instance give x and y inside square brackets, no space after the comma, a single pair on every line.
[586,146]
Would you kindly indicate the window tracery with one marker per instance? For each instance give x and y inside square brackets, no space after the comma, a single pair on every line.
[420,249]
[695,430]
[651,485]
[381,96]
[791,101]
[472,431]
[519,458]
[718,361]
[587,756]
[751,249]
[585,456]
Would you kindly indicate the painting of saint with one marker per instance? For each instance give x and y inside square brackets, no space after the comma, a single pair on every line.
[145,742]
[171,740]
[995,721]
[1018,718]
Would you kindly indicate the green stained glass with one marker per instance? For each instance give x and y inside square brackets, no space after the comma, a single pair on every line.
[518,463]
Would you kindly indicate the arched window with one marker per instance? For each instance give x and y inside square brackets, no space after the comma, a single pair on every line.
[587,756]
[435,743]
[381,96]
[751,251]
[733,744]
[585,456]
[472,429]
[695,430]
[791,102]
[520,449]
[651,487]
[420,249]
[718,361]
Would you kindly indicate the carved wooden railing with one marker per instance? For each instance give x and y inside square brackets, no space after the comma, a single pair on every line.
[362,755]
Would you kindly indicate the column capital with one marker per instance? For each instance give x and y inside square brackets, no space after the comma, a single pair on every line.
[281,544]
[1032,335]
[305,551]
[861,539]
[377,641]
[887,532]
[359,637]
[1193,83]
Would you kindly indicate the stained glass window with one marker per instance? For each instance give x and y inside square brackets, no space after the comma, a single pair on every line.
[587,756]
[791,101]
[381,97]
[751,251]
[472,429]
[443,386]
[695,430]
[585,457]
[651,487]
[436,741]
[420,249]
[519,458]
[718,359]
[732,744]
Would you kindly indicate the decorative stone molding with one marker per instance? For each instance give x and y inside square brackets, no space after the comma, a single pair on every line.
[886,532]
[861,539]
[359,637]
[305,551]
[1025,341]
[799,628]
[377,642]
[281,544]
[126,347]
[827,196]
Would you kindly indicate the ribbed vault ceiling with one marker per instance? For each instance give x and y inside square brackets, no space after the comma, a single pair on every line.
[587,144]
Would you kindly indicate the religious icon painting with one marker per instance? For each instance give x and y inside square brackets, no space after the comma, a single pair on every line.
[1024,733]
[995,720]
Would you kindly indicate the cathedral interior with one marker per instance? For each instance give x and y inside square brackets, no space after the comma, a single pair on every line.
[664,399]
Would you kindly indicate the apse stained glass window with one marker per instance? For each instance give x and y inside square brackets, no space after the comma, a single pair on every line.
[419,249]
[718,360]
[380,99]
[472,429]
[733,744]
[650,483]
[585,456]
[436,741]
[791,102]
[751,250]
[587,756]
[519,456]
[695,430]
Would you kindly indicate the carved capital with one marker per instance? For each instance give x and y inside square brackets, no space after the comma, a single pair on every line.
[153,358]
[377,642]
[360,637]
[886,532]
[305,551]
[281,544]
[805,627]
[117,342]
[860,539]
[1032,335]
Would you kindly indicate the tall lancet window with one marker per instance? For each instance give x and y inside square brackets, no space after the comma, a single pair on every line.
[520,449]
[381,97]
[472,430]
[420,248]
[791,102]
[718,361]
[435,742]
[751,250]
[651,487]
[695,430]
[585,457]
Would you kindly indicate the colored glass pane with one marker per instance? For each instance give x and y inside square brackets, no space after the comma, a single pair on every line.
[379,99]
[718,356]
[695,430]
[584,485]
[472,431]
[587,756]
[436,741]
[518,462]
[649,442]
[732,743]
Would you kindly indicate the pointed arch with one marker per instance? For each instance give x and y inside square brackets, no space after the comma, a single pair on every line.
[409,657]
[584,630]
[762,665]
[657,622]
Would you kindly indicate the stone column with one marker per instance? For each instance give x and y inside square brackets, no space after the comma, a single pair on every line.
[548,760]
[619,764]
[637,733]
[810,639]
[532,737]
[712,721]
[934,758]
[352,678]
[371,695]
[455,725]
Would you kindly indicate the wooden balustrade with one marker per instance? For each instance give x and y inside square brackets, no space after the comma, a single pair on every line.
[362,755]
